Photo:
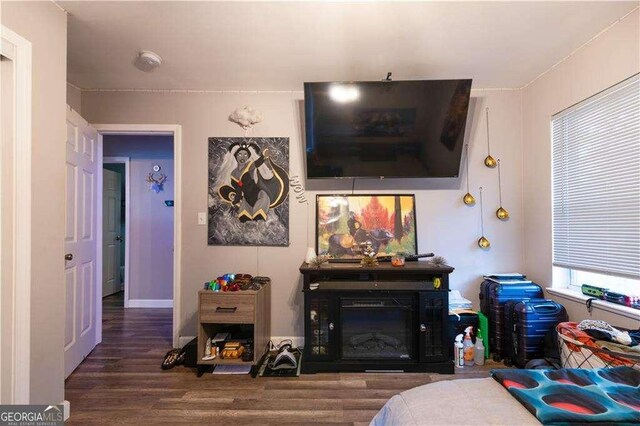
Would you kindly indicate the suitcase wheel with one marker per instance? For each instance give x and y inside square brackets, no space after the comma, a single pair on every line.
[497,358]
[508,362]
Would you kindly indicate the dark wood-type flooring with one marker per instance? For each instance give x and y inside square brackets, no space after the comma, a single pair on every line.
[121,382]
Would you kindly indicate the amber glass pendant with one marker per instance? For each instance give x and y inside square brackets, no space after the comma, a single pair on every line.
[483,243]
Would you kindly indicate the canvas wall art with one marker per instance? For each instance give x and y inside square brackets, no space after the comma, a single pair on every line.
[346,221]
[249,191]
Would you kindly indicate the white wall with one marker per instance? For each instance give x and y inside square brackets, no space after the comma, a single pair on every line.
[445,225]
[151,221]
[45,26]
[608,59]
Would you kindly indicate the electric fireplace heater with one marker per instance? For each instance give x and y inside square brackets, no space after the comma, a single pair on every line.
[377,328]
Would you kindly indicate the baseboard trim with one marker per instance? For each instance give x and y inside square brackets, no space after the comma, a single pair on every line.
[66,408]
[150,303]
[298,341]
[183,340]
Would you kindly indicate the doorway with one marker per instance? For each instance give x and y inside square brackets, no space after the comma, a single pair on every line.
[138,222]
[150,213]
[15,216]
[114,226]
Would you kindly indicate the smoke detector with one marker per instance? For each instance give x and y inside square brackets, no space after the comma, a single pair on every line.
[147,61]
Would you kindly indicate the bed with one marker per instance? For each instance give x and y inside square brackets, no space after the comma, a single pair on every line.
[522,397]
[455,402]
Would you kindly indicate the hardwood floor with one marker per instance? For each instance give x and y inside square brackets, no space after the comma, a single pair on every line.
[121,382]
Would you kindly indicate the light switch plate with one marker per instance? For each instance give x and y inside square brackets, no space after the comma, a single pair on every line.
[202,218]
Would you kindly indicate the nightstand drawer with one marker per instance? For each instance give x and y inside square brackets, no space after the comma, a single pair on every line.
[227,308]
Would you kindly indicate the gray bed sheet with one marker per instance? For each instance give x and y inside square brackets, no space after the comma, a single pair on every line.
[455,402]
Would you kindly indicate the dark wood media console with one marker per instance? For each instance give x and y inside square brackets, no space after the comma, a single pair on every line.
[379,318]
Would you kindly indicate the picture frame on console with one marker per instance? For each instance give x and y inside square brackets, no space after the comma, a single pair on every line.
[344,221]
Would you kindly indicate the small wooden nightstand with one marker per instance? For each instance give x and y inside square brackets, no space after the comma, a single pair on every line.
[249,310]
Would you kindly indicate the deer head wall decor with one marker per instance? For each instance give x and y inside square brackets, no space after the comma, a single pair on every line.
[156,179]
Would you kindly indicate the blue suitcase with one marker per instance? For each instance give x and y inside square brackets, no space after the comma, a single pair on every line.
[529,322]
[484,297]
[497,295]
[507,330]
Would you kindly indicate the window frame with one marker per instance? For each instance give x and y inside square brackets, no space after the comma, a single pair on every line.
[564,277]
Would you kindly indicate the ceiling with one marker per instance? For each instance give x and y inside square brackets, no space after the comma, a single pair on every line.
[279,45]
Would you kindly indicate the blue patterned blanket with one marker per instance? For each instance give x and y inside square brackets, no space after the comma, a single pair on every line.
[600,396]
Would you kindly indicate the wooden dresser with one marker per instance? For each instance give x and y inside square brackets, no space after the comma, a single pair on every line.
[248,313]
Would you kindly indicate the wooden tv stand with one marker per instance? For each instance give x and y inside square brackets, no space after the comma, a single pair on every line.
[380,318]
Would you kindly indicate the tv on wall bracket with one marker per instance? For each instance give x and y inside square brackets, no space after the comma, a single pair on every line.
[344,222]
[390,129]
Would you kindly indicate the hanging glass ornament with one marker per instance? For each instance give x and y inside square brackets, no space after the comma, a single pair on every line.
[468,199]
[489,161]
[483,243]
[501,213]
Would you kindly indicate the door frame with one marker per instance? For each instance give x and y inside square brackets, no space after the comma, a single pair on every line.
[127,214]
[174,130]
[21,55]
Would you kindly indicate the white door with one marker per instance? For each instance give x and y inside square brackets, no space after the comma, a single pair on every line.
[80,241]
[111,231]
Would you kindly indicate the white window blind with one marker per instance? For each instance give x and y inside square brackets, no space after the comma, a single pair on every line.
[596,182]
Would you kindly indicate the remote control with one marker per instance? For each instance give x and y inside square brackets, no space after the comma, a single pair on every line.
[408,258]
[413,257]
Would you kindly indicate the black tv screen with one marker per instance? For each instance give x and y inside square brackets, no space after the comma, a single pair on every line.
[394,129]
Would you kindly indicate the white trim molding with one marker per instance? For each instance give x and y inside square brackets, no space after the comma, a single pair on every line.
[155,129]
[127,218]
[22,57]
[151,303]
[66,408]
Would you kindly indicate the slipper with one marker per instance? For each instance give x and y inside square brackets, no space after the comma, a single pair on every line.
[285,360]
[181,357]
[170,359]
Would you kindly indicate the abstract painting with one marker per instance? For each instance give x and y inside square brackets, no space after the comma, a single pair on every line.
[249,191]
[346,221]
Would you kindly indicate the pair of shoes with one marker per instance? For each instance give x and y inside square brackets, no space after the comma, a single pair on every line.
[172,358]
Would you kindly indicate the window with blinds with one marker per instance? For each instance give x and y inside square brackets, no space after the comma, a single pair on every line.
[596,183]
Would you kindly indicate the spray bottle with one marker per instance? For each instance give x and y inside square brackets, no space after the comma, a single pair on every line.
[479,351]
[458,352]
[468,348]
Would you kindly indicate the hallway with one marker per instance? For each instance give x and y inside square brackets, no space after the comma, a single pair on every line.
[122,375]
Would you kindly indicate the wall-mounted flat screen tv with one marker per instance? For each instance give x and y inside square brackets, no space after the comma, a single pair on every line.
[390,129]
